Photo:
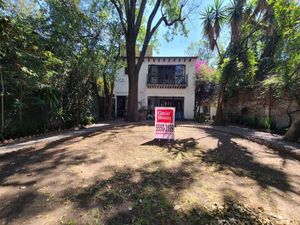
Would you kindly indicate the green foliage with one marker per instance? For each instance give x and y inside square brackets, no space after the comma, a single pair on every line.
[200,118]
[52,55]
[269,124]
[89,120]
[260,45]
[264,47]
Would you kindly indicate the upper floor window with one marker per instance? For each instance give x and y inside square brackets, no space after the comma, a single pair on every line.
[166,74]
[166,71]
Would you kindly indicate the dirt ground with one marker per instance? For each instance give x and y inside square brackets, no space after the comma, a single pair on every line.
[122,176]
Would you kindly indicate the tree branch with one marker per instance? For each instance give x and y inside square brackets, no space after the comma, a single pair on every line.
[119,10]
[149,33]
[179,19]
[138,21]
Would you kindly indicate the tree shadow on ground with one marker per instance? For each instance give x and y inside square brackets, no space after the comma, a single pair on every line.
[176,147]
[23,202]
[230,155]
[18,162]
[147,196]
[27,170]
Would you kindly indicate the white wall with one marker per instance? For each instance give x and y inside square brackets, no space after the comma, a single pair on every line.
[121,85]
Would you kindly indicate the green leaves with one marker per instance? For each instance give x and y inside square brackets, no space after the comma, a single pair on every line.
[50,54]
[208,29]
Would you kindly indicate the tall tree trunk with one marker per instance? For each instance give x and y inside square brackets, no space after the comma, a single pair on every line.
[21,104]
[219,120]
[133,72]
[293,133]
[108,92]
[99,102]
[2,105]
[132,111]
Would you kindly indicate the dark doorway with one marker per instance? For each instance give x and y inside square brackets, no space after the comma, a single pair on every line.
[177,102]
[121,106]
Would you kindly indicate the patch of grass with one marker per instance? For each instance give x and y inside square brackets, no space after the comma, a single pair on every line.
[153,209]
[109,198]
[69,222]
[95,213]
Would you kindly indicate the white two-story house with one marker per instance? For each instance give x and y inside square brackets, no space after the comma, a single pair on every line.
[163,81]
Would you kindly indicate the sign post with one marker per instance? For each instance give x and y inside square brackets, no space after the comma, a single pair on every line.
[164,122]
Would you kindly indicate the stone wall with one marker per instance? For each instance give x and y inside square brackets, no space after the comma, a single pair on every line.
[255,105]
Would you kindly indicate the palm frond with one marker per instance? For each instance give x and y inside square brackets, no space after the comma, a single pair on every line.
[235,12]
[208,29]
[219,16]
[269,20]
[262,5]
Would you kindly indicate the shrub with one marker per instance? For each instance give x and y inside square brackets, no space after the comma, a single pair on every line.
[89,120]
[249,122]
[269,124]
[256,122]
[200,118]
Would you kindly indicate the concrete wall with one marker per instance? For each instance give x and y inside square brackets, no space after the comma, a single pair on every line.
[121,85]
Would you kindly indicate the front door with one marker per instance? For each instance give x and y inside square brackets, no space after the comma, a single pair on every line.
[121,106]
[177,102]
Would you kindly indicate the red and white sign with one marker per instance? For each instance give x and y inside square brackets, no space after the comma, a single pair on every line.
[164,122]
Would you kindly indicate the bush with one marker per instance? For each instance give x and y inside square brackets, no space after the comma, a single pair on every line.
[256,122]
[28,127]
[250,122]
[89,120]
[234,118]
[269,124]
[200,118]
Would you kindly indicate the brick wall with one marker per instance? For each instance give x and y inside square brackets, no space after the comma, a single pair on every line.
[255,103]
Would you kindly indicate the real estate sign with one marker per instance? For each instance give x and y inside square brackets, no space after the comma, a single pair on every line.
[164,122]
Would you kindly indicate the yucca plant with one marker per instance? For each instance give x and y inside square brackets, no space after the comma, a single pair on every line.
[213,18]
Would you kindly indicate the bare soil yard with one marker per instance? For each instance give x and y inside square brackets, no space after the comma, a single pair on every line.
[121,176]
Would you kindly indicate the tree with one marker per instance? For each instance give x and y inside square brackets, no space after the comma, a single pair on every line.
[204,87]
[263,50]
[131,14]
[213,18]
[285,73]
[249,24]
[50,52]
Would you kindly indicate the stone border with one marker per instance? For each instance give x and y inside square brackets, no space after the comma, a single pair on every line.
[28,144]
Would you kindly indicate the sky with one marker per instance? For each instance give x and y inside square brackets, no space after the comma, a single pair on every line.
[179,44]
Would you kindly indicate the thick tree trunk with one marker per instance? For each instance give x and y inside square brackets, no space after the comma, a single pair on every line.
[2,105]
[108,100]
[98,97]
[132,114]
[293,133]
[21,105]
[133,73]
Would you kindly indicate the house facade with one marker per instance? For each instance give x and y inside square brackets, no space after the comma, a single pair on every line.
[163,81]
